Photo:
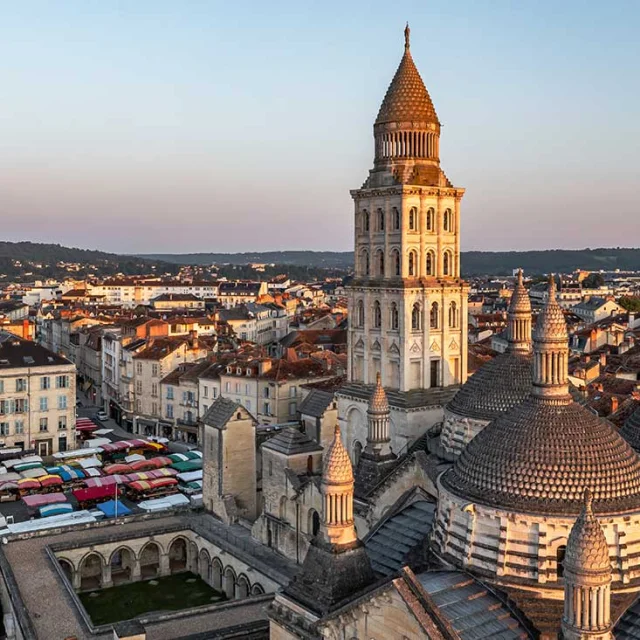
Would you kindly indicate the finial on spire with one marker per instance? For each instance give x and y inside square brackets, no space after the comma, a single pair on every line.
[552,286]
[519,276]
[407,34]
[588,500]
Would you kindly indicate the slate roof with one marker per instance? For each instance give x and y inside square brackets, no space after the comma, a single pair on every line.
[291,441]
[390,545]
[470,608]
[220,412]
[18,353]
[631,430]
[628,627]
[315,403]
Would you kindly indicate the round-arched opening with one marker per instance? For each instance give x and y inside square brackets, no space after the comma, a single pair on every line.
[204,565]
[67,569]
[313,525]
[178,555]
[91,572]
[122,561]
[216,574]
[229,583]
[243,588]
[357,452]
[150,561]
[257,589]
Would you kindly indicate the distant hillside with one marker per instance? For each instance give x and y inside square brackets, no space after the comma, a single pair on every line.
[31,261]
[473,262]
[326,259]
[554,260]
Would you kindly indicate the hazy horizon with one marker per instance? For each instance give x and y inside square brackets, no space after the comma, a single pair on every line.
[201,127]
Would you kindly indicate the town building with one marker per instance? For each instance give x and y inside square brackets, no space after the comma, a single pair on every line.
[37,397]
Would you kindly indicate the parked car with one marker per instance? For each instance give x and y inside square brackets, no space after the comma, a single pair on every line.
[102,416]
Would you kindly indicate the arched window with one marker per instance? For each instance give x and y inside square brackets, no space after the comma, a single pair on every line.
[415,317]
[446,263]
[395,262]
[377,315]
[395,320]
[413,219]
[431,263]
[560,554]
[453,315]
[365,221]
[364,262]
[412,263]
[445,219]
[357,452]
[434,316]
[360,314]
[380,216]
[380,261]
[396,218]
[431,220]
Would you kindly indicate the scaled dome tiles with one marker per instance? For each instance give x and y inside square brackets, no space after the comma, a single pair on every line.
[587,549]
[540,457]
[497,386]
[337,467]
[407,99]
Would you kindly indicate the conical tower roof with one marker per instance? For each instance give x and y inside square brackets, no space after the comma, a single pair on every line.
[407,98]
[337,467]
[551,325]
[378,402]
[520,301]
[587,549]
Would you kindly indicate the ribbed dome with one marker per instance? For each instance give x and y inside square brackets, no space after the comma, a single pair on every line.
[407,99]
[540,456]
[378,402]
[587,549]
[631,430]
[336,468]
[497,386]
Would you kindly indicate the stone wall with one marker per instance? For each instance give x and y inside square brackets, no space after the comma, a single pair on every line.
[525,549]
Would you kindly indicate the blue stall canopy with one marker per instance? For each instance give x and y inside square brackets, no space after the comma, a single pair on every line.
[109,508]
[55,509]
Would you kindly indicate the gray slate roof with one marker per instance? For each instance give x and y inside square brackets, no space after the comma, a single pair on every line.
[220,412]
[315,403]
[292,441]
[628,627]
[473,611]
[390,545]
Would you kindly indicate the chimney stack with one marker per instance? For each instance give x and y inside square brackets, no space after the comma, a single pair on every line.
[614,404]
[193,339]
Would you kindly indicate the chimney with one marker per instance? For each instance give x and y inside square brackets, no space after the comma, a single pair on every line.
[614,404]
[193,339]
[265,366]
[603,360]
[25,329]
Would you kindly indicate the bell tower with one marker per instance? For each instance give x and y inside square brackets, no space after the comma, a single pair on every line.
[407,302]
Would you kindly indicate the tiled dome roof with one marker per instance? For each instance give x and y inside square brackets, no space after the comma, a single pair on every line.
[337,467]
[540,456]
[497,386]
[407,99]
[631,430]
[378,402]
[587,549]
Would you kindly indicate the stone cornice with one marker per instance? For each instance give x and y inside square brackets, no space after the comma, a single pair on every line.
[407,190]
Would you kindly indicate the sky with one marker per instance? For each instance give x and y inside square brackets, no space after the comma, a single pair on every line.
[163,126]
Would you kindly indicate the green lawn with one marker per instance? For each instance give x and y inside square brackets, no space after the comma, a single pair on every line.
[127,601]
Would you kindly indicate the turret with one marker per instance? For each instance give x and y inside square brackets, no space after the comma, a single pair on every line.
[587,576]
[551,352]
[519,318]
